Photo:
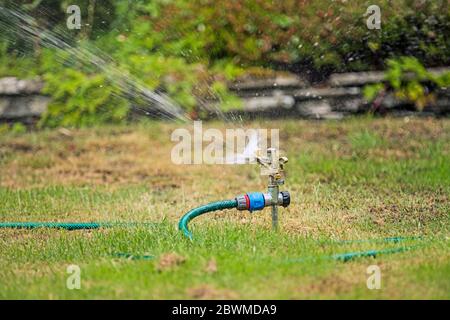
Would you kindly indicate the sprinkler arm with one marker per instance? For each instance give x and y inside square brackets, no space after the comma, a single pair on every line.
[272,165]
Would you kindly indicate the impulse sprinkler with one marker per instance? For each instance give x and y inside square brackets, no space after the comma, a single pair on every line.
[272,166]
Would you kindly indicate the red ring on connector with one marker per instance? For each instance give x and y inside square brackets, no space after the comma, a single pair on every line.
[247,201]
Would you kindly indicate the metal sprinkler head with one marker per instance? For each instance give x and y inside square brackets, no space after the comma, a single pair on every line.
[272,166]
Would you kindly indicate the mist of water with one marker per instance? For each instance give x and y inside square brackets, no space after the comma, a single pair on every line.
[87,55]
[142,99]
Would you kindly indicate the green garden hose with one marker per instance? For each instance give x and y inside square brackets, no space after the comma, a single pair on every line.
[369,253]
[183,226]
[214,206]
[69,225]
[54,225]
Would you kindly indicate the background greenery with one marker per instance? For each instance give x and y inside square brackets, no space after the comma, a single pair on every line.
[190,49]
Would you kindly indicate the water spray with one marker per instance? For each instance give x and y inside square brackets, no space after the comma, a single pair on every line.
[272,165]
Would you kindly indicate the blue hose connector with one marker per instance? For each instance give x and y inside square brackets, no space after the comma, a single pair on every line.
[256,201]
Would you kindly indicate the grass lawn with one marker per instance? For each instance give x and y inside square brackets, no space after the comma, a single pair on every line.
[356,179]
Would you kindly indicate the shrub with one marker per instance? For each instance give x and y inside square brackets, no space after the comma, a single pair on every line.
[325,34]
[410,81]
[79,99]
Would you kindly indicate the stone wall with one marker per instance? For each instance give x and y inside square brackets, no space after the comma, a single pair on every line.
[283,96]
[21,100]
[340,96]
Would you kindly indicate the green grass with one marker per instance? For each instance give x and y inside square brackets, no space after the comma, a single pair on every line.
[357,179]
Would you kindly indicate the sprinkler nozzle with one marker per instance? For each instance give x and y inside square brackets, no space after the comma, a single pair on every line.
[272,165]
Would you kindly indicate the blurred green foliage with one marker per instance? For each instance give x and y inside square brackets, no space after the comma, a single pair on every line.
[81,100]
[190,49]
[329,35]
[410,81]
